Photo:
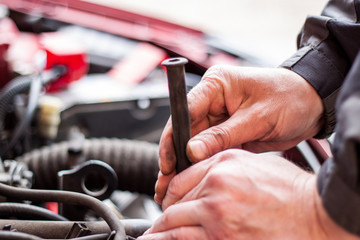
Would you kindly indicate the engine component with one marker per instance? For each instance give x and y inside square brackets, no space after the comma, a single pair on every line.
[62,51]
[27,211]
[78,230]
[49,116]
[15,174]
[68,197]
[94,178]
[19,85]
[22,84]
[135,162]
[13,235]
[59,229]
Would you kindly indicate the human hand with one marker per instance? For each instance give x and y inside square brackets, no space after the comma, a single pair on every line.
[256,109]
[240,195]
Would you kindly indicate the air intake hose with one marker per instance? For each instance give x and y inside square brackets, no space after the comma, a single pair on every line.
[135,162]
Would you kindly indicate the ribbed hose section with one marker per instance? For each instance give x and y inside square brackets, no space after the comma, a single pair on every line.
[135,162]
[22,84]
[16,86]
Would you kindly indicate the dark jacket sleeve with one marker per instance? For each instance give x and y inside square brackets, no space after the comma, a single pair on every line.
[327,49]
[327,46]
[339,177]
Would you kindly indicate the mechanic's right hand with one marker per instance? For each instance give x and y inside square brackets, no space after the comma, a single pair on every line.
[257,109]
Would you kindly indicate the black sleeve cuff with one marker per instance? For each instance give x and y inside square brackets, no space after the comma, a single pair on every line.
[315,65]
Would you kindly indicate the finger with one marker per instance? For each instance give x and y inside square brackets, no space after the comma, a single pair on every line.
[184,182]
[182,214]
[200,99]
[242,127]
[205,99]
[167,158]
[207,108]
[162,185]
[181,233]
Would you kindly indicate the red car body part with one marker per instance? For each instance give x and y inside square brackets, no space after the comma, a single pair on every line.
[136,66]
[8,32]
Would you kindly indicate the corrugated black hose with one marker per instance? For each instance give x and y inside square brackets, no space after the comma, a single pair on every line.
[135,162]
[20,85]
[7,94]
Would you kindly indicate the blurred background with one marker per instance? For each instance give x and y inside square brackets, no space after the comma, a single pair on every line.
[267,29]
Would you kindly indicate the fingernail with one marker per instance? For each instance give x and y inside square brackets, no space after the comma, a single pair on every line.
[198,149]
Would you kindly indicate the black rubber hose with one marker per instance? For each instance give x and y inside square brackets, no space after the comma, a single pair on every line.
[135,162]
[16,86]
[7,235]
[35,90]
[27,212]
[69,198]
[22,84]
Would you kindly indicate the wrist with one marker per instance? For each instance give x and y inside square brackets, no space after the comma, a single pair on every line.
[311,100]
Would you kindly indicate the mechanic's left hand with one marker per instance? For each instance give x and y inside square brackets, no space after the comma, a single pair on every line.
[240,195]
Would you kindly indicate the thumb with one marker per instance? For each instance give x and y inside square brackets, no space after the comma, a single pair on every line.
[209,142]
[238,129]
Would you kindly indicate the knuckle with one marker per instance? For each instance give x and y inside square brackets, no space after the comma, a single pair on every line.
[204,88]
[173,187]
[213,207]
[215,180]
[241,156]
[221,136]
[213,77]
[165,218]
[173,235]
[177,234]
[215,70]
[232,154]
